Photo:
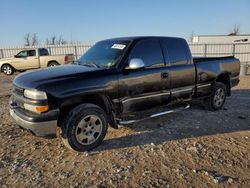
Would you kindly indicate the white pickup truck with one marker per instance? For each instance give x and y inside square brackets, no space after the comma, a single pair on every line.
[33,59]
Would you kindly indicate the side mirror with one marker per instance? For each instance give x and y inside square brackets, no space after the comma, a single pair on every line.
[135,63]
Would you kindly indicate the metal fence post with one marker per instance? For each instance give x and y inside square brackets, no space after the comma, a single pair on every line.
[76,56]
[205,50]
[1,53]
[49,50]
[233,50]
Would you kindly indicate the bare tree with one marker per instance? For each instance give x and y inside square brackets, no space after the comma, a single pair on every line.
[27,39]
[192,35]
[30,39]
[34,40]
[55,40]
[61,40]
[51,40]
[235,30]
[47,42]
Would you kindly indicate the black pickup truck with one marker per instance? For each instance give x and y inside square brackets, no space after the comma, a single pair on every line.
[118,81]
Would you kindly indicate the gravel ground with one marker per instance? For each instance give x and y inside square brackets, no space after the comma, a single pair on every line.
[193,148]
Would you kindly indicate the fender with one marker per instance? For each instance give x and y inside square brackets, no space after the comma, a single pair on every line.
[225,79]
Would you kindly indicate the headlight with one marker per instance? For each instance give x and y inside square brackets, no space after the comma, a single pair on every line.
[35,94]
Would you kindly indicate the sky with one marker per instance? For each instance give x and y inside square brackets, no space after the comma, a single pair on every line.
[88,21]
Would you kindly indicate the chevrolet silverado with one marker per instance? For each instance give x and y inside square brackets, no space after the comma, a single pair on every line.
[118,81]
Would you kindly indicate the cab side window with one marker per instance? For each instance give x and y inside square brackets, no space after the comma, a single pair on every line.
[175,51]
[149,51]
[31,53]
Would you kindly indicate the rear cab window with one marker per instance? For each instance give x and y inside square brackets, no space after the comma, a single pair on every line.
[149,51]
[43,52]
[175,51]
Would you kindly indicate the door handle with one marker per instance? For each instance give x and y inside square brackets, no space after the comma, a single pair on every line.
[164,75]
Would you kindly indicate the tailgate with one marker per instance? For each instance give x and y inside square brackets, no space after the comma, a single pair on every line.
[69,58]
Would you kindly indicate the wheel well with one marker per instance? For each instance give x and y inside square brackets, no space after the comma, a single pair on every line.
[52,61]
[225,79]
[100,100]
[6,64]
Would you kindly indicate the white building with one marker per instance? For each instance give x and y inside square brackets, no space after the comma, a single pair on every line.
[221,39]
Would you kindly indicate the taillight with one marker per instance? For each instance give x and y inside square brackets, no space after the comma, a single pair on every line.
[66,58]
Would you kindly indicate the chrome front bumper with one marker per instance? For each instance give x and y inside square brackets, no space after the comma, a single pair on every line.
[44,128]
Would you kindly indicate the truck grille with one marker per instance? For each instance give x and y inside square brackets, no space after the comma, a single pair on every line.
[17,93]
[17,90]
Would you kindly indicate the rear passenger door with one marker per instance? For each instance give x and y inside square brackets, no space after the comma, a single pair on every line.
[182,70]
[32,59]
[43,60]
[144,88]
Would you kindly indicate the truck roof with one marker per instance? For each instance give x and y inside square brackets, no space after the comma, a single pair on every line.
[35,48]
[143,37]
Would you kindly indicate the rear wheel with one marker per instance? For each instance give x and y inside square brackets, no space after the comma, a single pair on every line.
[8,69]
[85,127]
[53,64]
[217,98]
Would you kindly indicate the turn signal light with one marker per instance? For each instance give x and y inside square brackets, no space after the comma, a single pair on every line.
[42,109]
[37,109]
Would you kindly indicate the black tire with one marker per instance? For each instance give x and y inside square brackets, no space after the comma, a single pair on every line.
[80,125]
[217,98]
[8,69]
[53,64]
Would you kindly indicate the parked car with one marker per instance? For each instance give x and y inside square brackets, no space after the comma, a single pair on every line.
[33,59]
[119,81]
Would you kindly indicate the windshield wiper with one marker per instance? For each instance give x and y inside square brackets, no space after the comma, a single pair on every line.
[91,64]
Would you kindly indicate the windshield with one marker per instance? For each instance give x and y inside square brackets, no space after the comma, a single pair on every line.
[104,54]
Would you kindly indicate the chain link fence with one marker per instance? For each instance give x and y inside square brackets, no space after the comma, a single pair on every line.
[76,49]
[239,50]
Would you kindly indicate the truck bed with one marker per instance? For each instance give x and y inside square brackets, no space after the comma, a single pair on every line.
[217,65]
[209,68]
[202,59]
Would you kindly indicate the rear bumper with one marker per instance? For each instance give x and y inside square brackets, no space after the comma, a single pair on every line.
[235,81]
[39,128]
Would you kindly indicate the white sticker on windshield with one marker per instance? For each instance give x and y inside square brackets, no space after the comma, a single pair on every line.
[118,46]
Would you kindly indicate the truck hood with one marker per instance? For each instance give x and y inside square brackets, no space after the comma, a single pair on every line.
[6,59]
[36,78]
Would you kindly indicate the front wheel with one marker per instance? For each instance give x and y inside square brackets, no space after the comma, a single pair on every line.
[85,127]
[217,98]
[7,69]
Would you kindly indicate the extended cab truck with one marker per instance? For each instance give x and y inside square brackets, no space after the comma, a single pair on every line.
[33,59]
[113,80]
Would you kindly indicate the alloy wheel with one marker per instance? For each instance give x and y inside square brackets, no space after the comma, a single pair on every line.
[219,97]
[88,129]
[7,70]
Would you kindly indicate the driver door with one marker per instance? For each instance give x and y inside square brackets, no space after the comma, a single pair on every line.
[26,59]
[144,88]
[20,59]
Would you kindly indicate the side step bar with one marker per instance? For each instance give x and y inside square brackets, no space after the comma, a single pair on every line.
[127,122]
